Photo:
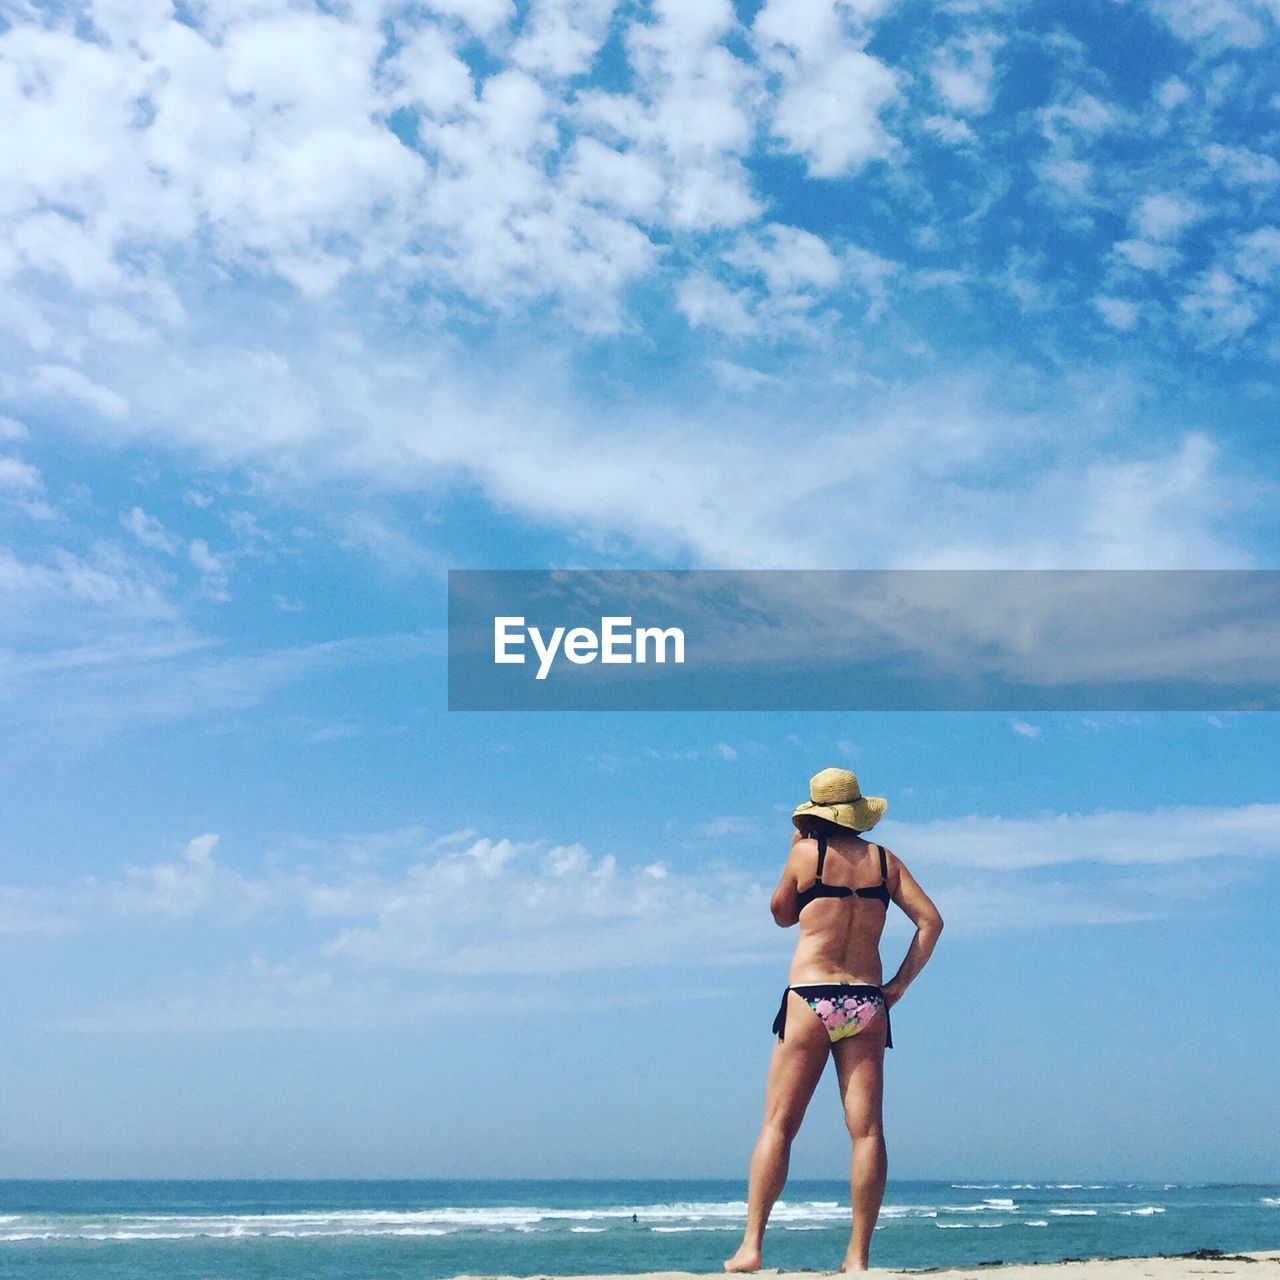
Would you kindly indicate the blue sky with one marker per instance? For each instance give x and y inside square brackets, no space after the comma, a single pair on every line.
[304,306]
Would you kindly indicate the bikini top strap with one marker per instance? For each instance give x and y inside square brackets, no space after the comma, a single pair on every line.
[822,856]
[884,866]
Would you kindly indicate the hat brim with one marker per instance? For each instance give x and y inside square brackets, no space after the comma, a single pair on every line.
[859,815]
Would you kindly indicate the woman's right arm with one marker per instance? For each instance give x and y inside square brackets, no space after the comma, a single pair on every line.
[928,922]
[784,904]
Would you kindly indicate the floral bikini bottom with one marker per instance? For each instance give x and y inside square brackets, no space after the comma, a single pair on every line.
[843,1008]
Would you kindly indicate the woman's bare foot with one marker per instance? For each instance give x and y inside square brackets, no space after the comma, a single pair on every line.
[851,1263]
[746,1259]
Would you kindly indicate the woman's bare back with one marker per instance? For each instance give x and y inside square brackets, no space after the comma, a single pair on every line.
[840,937]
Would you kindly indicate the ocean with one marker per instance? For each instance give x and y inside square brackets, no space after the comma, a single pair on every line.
[420,1230]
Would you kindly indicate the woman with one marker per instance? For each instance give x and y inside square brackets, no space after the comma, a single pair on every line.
[837,887]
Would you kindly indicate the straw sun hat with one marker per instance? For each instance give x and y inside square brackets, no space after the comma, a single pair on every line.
[834,794]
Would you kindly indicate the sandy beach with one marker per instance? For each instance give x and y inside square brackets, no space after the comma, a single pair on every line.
[1249,1266]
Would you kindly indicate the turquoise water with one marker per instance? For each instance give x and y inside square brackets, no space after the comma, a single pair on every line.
[430,1230]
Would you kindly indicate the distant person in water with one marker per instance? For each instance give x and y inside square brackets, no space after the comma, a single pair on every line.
[837,886]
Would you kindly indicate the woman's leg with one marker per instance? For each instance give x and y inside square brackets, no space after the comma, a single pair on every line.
[860,1070]
[794,1072]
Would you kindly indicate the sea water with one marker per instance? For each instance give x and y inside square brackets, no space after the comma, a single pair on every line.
[408,1230]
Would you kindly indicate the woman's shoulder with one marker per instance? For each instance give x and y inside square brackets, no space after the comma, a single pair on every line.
[893,865]
[802,861]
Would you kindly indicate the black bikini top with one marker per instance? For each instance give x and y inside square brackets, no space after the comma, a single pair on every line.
[819,890]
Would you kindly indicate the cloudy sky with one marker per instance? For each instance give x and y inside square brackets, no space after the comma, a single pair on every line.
[301,306]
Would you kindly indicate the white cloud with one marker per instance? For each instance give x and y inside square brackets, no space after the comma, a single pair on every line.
[1147,256]
[556,911]
[830,90]
[562,37]
[213,568]
[704,301]
[22,488]
[1221,304]
[427,73]
[963,71]
[1164,215]
[674,480]
[1218,308]
[1242,166]
[689,117]
[62,383]
[19,476]
[949,129]
[1129,500]
[791,275]
[788,258]
[627,181]
[1230,23]
[740,379]
[186,158]
[481,16]
[461,905]
[1077,114]
[1119,313]
[364,911]
[1177,834]
[1072,126]
[1024,730]
[1028,280]
[1172,92]
[177,890]
[1068,177]
[268,131]
[53,595]
[150,531]
[255,141]
[1257,256]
